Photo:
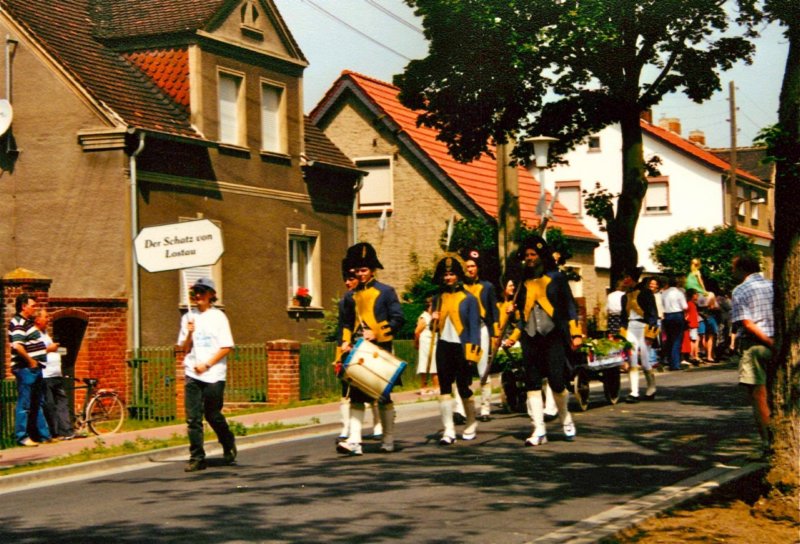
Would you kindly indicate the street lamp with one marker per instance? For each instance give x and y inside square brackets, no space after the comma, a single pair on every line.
[541,146]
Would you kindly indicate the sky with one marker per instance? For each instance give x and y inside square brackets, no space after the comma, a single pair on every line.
[379,37]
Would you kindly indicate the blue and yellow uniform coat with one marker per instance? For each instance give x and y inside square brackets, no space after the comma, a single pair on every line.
[463,310]
[375,306]
[484,292]
[642,301]
[553,294]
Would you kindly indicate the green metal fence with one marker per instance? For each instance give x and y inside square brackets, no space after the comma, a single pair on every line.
[247,374]
[405,351]
[8,400]
[151,378]
[317,379]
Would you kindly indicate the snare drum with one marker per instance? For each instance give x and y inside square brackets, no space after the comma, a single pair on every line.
[372,369]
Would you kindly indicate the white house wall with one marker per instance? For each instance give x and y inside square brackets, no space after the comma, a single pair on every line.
[695,191]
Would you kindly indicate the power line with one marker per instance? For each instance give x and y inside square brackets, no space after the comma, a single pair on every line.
[394,16]
[354,29]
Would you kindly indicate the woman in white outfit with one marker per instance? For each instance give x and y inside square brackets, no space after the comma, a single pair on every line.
[639,325]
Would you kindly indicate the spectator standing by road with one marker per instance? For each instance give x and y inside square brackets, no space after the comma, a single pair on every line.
[56,410]
[207,340]
[753,311]
[28,357]
[674,303]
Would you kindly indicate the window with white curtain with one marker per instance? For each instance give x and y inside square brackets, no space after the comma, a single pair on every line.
[656,200]
[231,109]
[304,265]
[272,118]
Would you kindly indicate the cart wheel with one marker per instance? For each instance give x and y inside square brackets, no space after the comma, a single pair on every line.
[611,385]
[581,389]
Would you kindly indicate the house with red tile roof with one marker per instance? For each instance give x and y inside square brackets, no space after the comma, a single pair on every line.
[692,190]
[415,187]
[134,114]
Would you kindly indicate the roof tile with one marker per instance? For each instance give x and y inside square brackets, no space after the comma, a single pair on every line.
[478,179]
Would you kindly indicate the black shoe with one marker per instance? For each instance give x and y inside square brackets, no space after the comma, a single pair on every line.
[550,417]
[458,419]
[194,465]
[630,399]
[484,418]
[650,397]
[229,456]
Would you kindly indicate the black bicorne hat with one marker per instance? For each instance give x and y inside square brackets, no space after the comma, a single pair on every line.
[362,255]
[539,245]
[449,263]
[471,255]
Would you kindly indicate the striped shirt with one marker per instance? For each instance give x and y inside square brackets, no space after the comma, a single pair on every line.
[752,300]
[23,331]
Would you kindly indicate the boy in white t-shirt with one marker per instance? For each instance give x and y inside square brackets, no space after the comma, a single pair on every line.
[207,340]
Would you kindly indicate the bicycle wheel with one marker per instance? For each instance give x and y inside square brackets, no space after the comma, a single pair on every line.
[105,414]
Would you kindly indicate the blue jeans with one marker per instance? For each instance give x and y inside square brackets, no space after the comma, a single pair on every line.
[673,324]
[30,400]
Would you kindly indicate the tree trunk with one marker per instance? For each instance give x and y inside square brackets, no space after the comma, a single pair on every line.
[784,375]
[621,231]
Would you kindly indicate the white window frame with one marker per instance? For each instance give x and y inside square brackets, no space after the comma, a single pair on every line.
[308,276]
[231,116]
[191,275]
[657,210]
[375,165]
[273,120]
[569,185]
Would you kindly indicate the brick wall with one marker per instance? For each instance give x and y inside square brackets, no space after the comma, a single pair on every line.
[101,353]
[283,371]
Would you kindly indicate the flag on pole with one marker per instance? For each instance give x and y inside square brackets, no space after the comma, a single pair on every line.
[449,232]
[384,219]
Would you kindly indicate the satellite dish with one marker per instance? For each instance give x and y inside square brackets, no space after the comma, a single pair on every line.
[6,115]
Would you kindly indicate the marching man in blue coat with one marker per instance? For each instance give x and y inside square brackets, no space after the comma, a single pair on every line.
[548,331]
[373,310]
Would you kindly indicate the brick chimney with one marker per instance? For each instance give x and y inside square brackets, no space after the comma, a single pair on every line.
[698,137]
[672,124]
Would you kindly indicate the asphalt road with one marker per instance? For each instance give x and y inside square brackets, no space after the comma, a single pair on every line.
[489,490]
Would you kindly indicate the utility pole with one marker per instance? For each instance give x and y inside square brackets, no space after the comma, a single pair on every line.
[732,194]
[507,201]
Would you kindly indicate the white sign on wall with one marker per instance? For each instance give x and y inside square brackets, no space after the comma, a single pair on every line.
[178,245]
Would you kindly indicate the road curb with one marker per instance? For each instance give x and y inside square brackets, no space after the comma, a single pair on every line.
[608,523]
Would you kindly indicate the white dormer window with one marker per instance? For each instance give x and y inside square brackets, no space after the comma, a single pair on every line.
[273,118]
[231,109]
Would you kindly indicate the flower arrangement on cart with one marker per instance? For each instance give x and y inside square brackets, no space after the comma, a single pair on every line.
[607,352]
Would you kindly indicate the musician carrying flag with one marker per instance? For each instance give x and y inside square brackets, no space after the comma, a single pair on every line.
[373,310]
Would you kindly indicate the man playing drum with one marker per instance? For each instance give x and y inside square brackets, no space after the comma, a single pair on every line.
[490,330]
[374,309]
[457,318]
[548,331]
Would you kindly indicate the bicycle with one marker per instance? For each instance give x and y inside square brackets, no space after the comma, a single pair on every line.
[103,412]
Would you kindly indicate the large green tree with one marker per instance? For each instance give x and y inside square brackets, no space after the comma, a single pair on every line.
[784,375]
[498,69]
[715,249]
